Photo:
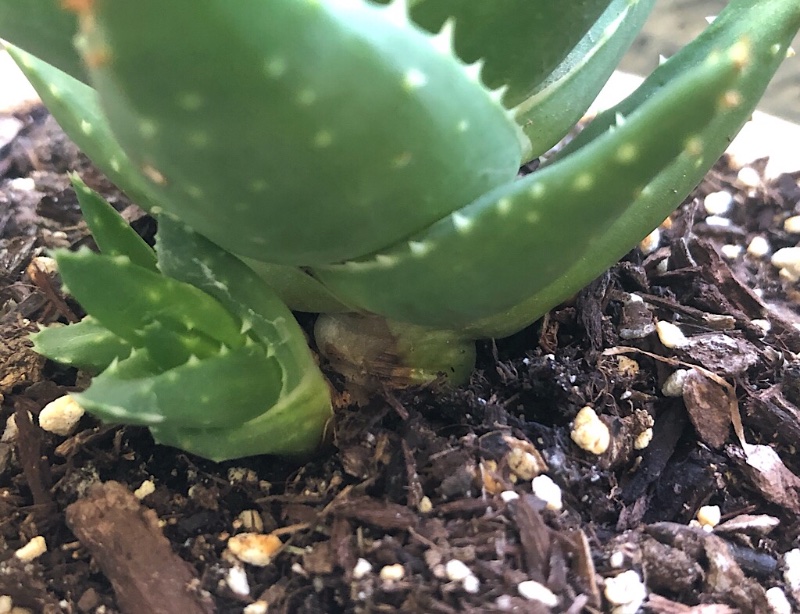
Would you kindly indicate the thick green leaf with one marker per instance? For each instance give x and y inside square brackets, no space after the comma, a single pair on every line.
[222,390]
[45,29]
[87,344]
[315,148]
[76,108]
[517,239]
[520,41]
[113,235]
[558,104]
[126,299]
[770,26]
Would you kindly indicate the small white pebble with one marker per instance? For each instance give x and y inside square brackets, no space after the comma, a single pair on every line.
[5,604]
[789,275]
[471,585]
[257,607]
[670,335]
[254,548]
[32,550]
[718,221]
[456,570]
[61,416]
[792,224]
[425,505]
[237,581]
[504,603]
[791,569]
[787,258]
[749,177]
[589,432]
[617,559]
[548,491]
[148,487]
[673,385]
[45,264]
[508,496]
[534,591]
[730,251]
[758,247]
[626,589]
[524,464]
[709,516]
[777,601]
[242,475]
[392,573]
[764,325]
[643,439]
[718,203]
[361,569]
[23,184]
[651,242]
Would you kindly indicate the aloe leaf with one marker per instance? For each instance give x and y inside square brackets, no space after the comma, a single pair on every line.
[557,104]
[296,288]
[288,429]
[770,26]
[228,388]
[519,41]
[114,237]
[75,107]
[86,344]
[126,298]
[468,266]
[244,155]
[297,419]
[45,29]
[190,258]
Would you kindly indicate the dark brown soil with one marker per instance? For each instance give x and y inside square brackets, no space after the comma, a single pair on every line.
[415,479]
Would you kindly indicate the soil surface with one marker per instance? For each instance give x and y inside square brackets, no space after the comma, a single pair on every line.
[425,501]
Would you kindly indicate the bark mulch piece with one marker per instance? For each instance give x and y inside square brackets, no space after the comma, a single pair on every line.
[420,479]
[125,540]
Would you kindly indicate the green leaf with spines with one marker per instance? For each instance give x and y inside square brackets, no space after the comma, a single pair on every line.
[113,235]
[520,42]
[554,107]
[515,240]
[219,391]
[769,26]
[296,422]
[193,259]
[126,299]
[243,155]
[86,344]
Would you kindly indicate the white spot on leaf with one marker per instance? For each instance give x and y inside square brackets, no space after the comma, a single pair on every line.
[462,222]
[323,139]
[275,67]
[414,79]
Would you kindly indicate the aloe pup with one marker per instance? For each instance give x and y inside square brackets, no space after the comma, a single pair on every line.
[356,159]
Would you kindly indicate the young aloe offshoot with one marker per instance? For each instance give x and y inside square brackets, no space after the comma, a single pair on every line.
[208,373]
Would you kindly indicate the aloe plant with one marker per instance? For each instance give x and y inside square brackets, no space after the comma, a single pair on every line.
[360,160]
